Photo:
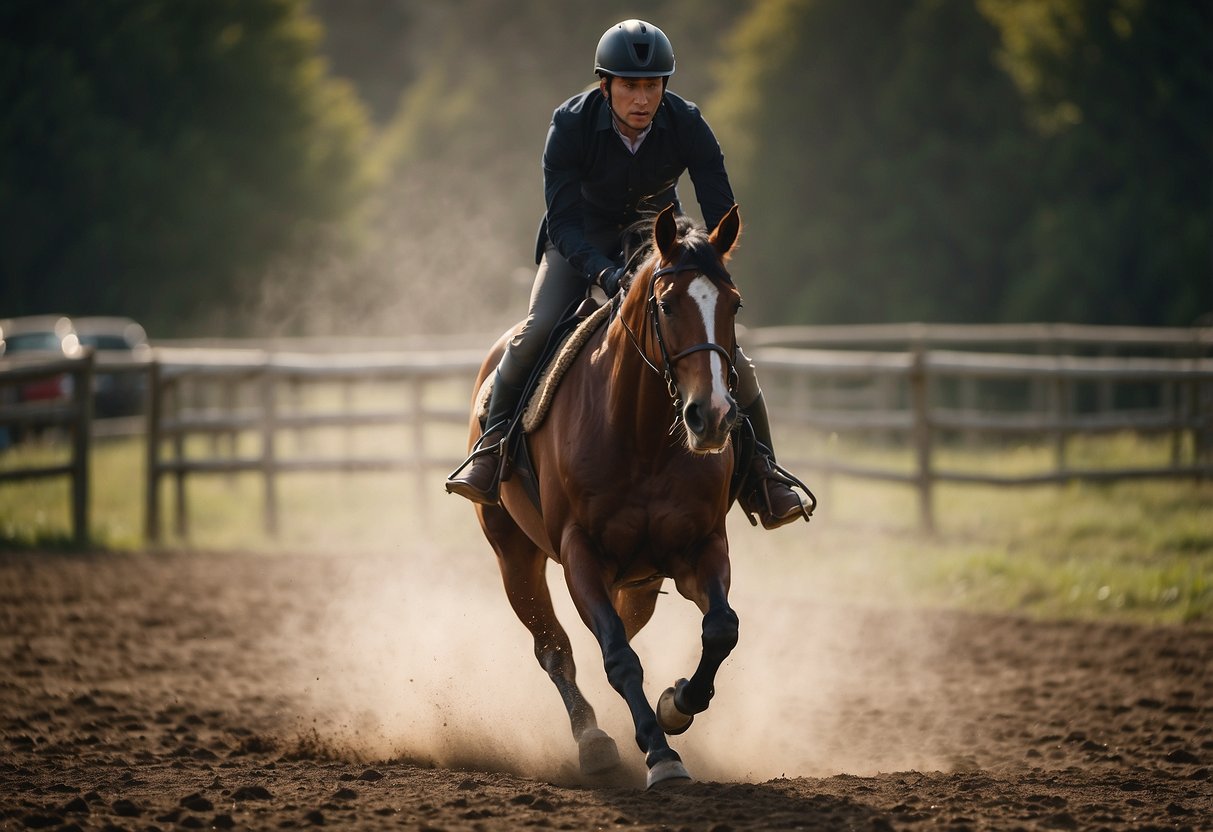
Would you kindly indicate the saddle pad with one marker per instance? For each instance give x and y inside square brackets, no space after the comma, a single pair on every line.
[545,388]
[537,406]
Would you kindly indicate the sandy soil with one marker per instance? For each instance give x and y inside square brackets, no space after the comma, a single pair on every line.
[271,692]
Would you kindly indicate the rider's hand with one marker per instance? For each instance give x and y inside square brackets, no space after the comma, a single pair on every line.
[609,280]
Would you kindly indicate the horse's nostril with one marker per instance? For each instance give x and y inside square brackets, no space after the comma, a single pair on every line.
[693,416]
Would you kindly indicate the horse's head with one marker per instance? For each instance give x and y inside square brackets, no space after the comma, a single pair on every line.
[692,305]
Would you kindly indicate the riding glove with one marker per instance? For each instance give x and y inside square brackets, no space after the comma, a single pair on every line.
[609,280]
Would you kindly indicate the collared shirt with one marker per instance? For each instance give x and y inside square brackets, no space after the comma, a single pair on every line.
[593,183]
[631,144]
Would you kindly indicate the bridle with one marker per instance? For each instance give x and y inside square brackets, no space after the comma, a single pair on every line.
[666,371]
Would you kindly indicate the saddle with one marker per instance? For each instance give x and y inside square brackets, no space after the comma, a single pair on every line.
[570,335]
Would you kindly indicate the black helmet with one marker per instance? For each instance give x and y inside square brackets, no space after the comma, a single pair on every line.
[634,49]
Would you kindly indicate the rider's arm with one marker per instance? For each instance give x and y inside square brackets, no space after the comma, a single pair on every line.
[562,161]
[705,164]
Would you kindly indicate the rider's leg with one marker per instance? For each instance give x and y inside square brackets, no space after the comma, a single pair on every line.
[557,286]
[765,492]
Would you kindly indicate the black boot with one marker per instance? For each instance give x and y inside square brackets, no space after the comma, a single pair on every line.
[481,481]
[767,491]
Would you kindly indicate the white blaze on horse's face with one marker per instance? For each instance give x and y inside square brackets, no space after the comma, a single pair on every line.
[706,295]
[709,414]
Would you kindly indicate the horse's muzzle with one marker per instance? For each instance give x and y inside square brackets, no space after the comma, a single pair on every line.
[709,424]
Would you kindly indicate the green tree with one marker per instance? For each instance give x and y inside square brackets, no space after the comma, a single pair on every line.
[156,157]
[1121,94]
[879,156]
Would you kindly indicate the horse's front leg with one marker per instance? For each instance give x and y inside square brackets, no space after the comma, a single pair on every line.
[588,581]
[705,582]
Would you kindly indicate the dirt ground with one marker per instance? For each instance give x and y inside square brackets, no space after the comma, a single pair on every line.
[214,691]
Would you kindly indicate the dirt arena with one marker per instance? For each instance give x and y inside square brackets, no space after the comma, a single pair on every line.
[273,692]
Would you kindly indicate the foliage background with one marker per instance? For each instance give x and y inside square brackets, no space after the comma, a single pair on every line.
[371,166]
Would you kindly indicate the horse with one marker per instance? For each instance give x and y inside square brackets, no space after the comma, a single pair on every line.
[633,463]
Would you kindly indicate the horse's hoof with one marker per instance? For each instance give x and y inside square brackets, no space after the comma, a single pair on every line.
[672,720]
[667,773]
[596,751]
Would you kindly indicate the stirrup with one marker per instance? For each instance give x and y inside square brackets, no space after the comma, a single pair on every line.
[479,450]
[471,491]
[759,491]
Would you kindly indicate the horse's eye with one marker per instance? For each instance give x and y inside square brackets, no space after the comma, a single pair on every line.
[665,307]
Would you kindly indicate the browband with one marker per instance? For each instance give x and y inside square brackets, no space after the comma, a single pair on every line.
[685,265]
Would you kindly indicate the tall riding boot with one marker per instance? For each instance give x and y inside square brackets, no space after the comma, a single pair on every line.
[768,488]
[481,481]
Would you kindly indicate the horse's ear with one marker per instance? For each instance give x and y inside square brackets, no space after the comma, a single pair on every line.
[725,235]
[665,232]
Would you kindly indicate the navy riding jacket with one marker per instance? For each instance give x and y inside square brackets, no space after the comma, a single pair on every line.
[592,183]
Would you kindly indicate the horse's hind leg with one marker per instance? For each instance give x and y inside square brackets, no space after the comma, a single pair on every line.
[708,586]
[522,571]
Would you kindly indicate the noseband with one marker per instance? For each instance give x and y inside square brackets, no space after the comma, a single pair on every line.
[666,371]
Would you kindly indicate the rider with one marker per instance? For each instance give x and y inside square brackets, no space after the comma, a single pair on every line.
[614,154]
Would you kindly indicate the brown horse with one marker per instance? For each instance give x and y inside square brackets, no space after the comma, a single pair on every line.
[627,500]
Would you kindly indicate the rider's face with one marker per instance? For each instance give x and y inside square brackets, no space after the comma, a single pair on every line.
[635,101]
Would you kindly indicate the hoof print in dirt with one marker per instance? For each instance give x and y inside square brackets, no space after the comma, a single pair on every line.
[252,793]
[126,809]
[196,803]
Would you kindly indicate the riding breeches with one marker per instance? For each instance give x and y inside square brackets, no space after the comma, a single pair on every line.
[558,286]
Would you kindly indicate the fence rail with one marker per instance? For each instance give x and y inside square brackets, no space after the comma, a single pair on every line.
[920,395]
[1053,338]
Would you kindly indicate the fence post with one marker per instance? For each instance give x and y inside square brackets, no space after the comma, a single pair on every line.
[181,509]
[151,516]
[229,396]
[269,419]
[922,436]
[1202,416]
[421,498]
[82,392]
[347,407]
[969,403]
[1061,414]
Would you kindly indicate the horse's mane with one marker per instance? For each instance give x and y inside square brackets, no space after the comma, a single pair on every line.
[639,246]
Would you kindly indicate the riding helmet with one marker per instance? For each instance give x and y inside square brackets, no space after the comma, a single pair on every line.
[634,49]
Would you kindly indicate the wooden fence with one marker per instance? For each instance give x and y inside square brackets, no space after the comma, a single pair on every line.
[226,393]
[73,412]
[904,394]
[916,394]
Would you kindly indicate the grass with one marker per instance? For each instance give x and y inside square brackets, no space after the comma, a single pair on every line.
[1138,550]
[1133,549]
[1142,550]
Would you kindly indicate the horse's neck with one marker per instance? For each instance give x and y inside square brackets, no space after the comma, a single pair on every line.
[638,400]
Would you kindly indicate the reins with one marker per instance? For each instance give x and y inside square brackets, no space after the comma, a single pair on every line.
[666,371]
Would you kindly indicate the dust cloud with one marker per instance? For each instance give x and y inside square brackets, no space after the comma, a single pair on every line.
[444,255]
[419,657]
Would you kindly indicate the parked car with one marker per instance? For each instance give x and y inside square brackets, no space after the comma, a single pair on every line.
[115,339]
[36,337]
[40,336]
